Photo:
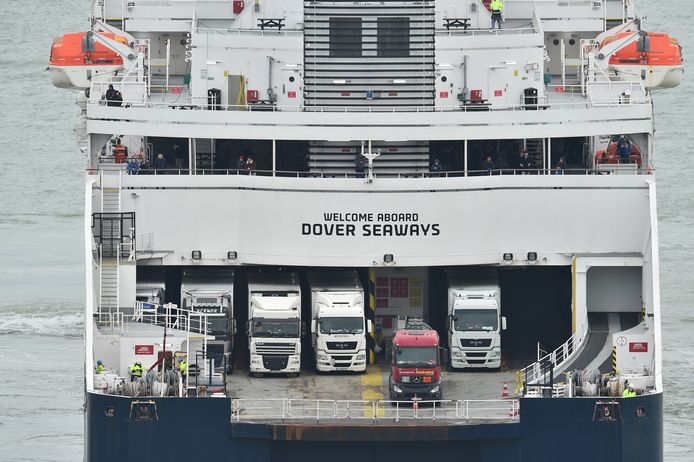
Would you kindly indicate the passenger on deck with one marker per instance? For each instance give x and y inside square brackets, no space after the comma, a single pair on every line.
[241,164]
[359,165]
[525,163]
[488,165]
[110,94]
[436,168]
[250,165]
[497,8]
[160,162]
[179,156]
[136,371]
[133,166]
[561,166]
[117,99]
[623,147]
[100,367]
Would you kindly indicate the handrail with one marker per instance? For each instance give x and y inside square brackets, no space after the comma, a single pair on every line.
[172,317]
[551,361]
[458,411]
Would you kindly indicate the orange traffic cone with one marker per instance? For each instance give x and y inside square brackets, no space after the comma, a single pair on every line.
[504,391]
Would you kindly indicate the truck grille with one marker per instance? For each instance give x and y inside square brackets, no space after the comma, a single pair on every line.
[475,342]
[341,345]
[275,362]
[342,357]
[275,348]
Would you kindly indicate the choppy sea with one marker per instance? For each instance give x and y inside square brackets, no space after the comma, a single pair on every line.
[41,253]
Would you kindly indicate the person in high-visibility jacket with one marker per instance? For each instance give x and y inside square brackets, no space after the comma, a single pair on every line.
[136,370]
[183,366]
[100,367]
[497,8]
[628,392]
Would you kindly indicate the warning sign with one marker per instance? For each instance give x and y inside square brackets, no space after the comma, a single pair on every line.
[638,347]
[144,349]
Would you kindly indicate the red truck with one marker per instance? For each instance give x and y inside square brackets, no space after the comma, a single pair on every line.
[415,371]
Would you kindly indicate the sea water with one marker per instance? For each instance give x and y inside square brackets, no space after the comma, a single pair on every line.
[41,250]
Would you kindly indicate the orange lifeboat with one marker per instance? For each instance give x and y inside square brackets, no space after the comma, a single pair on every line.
[656,59]
[75,59]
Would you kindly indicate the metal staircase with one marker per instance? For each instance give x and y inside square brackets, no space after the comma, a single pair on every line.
[110,247]
[204,153]
[536,151]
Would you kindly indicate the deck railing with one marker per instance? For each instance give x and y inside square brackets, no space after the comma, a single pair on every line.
[317,410]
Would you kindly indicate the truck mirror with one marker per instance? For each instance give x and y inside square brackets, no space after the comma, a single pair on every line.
[314,326]
[503,323]
[248,327]
[369,326]
[233,326]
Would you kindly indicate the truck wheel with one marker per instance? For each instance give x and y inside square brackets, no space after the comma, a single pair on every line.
[251,374]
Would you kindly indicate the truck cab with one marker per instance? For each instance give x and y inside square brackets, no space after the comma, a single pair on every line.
[210,294]
[474,321]
[274,323]
[415,364]
[338,331]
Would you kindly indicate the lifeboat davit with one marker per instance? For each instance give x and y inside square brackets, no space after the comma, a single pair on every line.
[75,59]
[656,58]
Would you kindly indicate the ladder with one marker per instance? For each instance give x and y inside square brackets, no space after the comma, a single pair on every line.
[110,252]
[536,151]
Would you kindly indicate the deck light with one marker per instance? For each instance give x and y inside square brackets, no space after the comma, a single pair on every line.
[508,256]
[197,255]
[231,255]
[532,256]
[388,258]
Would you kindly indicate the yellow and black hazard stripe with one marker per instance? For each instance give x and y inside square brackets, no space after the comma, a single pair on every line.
[614,359]
[371,315]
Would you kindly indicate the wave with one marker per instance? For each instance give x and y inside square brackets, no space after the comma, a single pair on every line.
[42,321]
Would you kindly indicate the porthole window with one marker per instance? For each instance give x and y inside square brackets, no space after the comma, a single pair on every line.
[556,42]
[444,78]
[110,411]
[572,42]
[640,412]
[291,78]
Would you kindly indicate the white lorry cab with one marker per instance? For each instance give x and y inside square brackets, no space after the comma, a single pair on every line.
[338,324]
[209,292]
[474,318]
[274,323]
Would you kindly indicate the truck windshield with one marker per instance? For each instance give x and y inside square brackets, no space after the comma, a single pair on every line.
[342,325]
[218,325]
[416,356]
[263,327]
[471,320]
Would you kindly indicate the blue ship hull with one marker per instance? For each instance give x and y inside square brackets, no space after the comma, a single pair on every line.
[566,430]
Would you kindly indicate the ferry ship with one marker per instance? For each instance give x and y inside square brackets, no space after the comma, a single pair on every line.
[370,229]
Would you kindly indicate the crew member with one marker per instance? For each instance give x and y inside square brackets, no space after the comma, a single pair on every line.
[628,392]
[624,147]
[183,366]
[488,165]
[497,7]
[100,367]
[525,162]
[136,370]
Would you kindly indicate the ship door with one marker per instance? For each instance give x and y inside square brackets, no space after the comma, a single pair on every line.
[446,96]
[498,78]
[291,88]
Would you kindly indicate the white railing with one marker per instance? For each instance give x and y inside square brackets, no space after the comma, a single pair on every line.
[172,317]
[552,361]
[144,242]
[458,411]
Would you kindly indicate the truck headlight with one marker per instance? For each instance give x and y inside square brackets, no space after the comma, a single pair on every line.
[435,389]
[322,357]
[495,354]
[457,354]
[405,379]
[361,357]
[397,389]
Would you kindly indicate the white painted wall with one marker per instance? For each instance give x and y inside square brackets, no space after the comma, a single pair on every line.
[479,218]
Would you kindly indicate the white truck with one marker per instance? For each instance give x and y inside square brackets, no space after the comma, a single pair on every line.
[210,291]
[338,324]
[474,318]
[274,323]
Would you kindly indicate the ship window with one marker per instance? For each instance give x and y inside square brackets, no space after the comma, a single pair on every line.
[345,37]
[393,37]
